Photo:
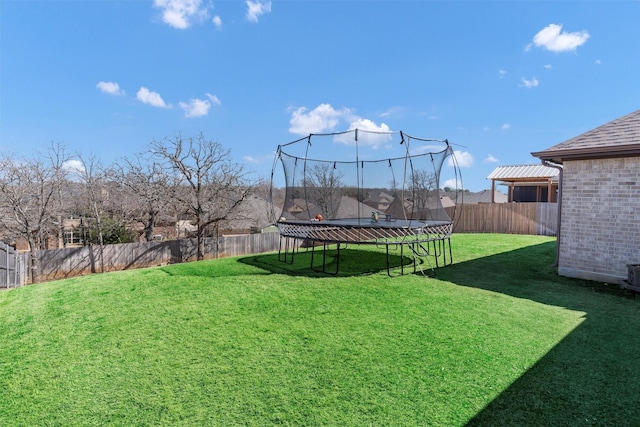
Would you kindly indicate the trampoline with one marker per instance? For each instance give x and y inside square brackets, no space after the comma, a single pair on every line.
[394,202]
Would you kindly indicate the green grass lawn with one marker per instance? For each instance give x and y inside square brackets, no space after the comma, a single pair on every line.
[497,338]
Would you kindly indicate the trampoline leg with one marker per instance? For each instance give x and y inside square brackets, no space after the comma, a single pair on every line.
[283,257]
[313,252]
[413,246]
[324,258]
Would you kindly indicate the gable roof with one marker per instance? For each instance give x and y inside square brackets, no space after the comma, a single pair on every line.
[523,173]
[618,138]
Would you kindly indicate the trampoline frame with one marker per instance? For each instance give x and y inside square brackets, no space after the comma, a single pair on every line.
[418,236]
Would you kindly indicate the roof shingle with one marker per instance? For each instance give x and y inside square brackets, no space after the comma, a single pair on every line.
[618,137]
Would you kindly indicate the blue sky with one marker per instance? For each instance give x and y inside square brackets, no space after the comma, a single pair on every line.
[498,79]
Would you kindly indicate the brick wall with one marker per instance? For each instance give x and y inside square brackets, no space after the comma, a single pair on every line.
[600,228]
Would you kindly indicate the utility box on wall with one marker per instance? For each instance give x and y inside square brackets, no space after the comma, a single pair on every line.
[633,278]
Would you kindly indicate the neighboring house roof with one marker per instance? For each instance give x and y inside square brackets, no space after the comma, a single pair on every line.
[618,138]
[484,196]
[523,173]
[352,208]
[380,197]
[348,208]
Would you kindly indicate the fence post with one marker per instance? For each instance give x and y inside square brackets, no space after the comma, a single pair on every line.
[6,250]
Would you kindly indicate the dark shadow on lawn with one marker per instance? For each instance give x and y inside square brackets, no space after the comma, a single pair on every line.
[590,377]
[352,262]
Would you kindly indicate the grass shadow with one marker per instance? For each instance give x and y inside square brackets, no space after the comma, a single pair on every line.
[591,376]
[351,262]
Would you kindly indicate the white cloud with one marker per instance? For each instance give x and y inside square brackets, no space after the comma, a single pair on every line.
[505,126]
[452,183]
[195,107]
[73,166]
[553,39]
[530,83]
[217,21]
[213,99]
[255,9]
[111,88]
[154,99]
[547,66]
[490,159]
[392,112]
[379,138]
[199,107]
[321,119]
[259,159]
[501,73]
[598,62]
[325,119]
[181,13]
[464,159]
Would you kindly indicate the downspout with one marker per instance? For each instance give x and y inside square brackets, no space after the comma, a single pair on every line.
[559,222]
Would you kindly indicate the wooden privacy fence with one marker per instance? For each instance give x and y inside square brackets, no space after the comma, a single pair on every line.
[507,218]
[70,262]
[13,267]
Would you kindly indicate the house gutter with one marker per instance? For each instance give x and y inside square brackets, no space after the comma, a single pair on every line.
[559,222]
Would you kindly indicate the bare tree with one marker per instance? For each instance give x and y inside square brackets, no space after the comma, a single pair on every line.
[423,186]
[323,183]
[29,189]
[213,186]
[92,203]
[153,188]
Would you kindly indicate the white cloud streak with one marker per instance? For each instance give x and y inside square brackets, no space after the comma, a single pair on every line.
[255,9]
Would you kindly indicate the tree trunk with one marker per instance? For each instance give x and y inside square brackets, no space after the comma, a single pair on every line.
[150,226]
[200,241]
[34,260]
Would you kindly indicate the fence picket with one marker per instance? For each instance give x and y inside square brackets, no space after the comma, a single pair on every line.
[12,267]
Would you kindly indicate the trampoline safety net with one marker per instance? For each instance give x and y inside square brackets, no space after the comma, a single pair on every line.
[358,197]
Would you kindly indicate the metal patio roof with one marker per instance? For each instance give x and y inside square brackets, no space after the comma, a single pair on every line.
[523,173]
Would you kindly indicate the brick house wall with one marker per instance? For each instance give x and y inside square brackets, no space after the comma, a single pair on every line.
[600,232]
